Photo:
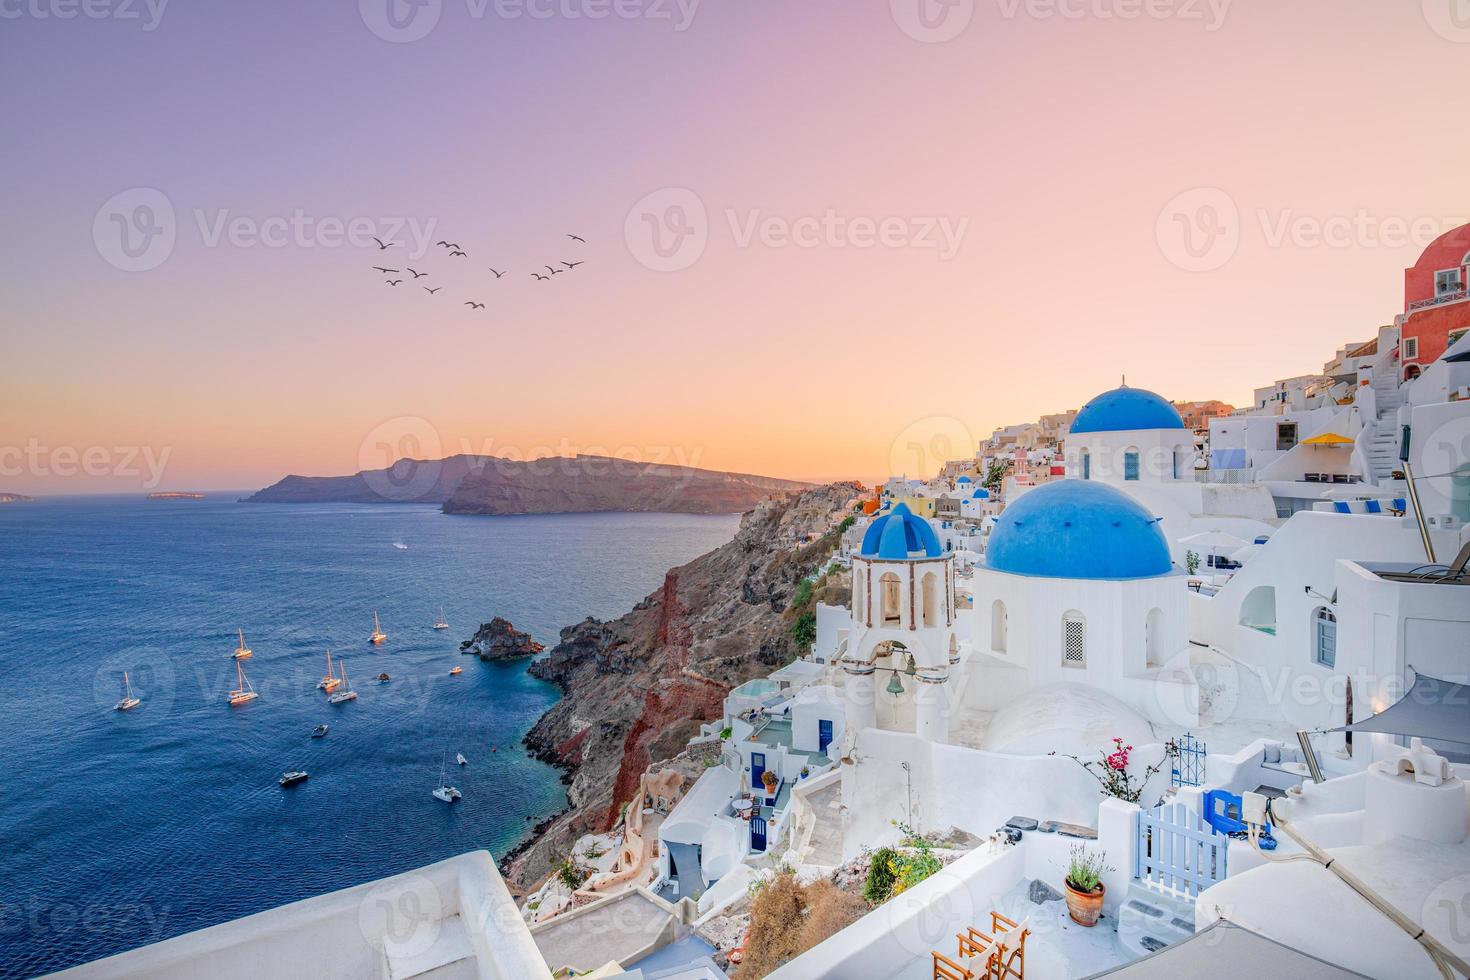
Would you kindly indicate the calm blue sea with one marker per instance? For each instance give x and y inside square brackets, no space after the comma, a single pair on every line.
[123,828]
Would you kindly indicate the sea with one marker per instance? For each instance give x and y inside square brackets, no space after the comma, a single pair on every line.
[121,828]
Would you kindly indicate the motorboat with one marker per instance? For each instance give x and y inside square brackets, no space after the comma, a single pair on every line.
[319,731]
[293,777]
[459,757]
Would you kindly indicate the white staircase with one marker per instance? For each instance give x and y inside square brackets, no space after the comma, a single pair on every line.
[1151,919]
[1383,450]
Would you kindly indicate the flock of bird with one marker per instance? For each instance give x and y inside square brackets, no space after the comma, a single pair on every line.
[455,251]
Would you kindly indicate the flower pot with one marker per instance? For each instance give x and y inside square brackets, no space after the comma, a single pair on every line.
[1085,907]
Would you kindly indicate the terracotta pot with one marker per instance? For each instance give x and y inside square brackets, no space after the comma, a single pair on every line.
[1085,907]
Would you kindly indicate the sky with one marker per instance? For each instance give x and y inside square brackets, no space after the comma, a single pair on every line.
[829,239]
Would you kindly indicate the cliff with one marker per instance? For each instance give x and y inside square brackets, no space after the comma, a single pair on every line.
[15,498]
[499,640]
[638,687]
[556,485]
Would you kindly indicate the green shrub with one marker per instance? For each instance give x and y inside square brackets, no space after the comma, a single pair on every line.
[804,630]
[882,873]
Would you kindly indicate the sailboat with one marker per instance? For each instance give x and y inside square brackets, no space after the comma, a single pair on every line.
[128,701]
[441,623]
[328,683]
[378,635]
[244,692]
[242,651]
[347,693]
[445,792]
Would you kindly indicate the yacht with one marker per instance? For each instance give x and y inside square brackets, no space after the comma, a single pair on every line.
[328,683]
[459,757]
[441,623]
[128,702]
[400,545]
[378,635]
[242,651]
[445,792]
[347,693]
[244,690]
[293,777]
[319,731]
[456,671]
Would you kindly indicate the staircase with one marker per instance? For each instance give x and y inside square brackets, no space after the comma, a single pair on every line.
[1150,920]
[1383,450]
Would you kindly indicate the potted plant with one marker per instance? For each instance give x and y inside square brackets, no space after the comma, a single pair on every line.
[1084,885]
[805,771]
[768,779]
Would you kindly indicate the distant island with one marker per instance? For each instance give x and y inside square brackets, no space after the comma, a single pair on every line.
[488,485]
[15,498]
[175,495]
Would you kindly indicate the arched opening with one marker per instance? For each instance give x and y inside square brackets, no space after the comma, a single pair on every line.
[954,649]
[1324,637]
[1153,637]
[1130,464]
[1258,611]
[930,593]
[888,584]
[1074,639]
[859,594]
[998,626]
[1411,372]
[1086,465]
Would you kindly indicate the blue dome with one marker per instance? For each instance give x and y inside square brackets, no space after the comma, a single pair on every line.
[964,479]
[1078,529]
[900,534]
[1124,409]
[981,494]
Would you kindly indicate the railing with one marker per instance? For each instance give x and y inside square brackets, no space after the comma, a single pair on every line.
[1225,476]
[1453,297]
[1189,764]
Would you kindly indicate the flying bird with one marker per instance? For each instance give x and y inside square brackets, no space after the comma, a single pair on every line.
[569,265]
[497,274]
[478,306]
[554,271]
[383,270]
[456,252]
[431,292]
[393,282]
[418,275]
[382,244]
[540,276]
[448,244]
[576,238]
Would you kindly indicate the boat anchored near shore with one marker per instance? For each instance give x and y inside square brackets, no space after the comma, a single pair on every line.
[328,683]
[441,623]
[378,636]
[244,691]
[347,693]
[242,651]
[128,701]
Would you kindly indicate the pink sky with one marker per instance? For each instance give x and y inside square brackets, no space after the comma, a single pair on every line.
[1053,137]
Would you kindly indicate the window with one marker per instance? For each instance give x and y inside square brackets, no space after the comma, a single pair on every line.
[1130,464]
[1074,640]
[1258,611]
[1285,435]
[1324,637]
[889,584]
[1410,348]
[1086,465]
[931,599]
[998,626]
[859,594]
[1447,281]
[1153,637]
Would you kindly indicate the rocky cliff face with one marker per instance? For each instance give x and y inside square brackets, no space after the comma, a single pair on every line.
[637,688]
[499,640]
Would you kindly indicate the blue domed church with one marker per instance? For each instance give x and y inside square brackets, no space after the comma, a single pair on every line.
[1129,436]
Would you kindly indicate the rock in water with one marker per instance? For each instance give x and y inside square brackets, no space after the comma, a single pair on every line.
[499,640]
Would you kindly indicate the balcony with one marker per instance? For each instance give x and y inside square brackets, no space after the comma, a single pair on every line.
[1440,300]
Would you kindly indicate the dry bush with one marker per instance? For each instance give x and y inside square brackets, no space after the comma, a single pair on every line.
[788,918]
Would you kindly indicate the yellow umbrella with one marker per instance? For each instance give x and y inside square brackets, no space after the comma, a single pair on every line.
[1328,439]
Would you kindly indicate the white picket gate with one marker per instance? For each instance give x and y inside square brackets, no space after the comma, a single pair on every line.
[1178,851]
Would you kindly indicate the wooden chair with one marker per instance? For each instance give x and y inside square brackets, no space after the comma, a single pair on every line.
[1002,950]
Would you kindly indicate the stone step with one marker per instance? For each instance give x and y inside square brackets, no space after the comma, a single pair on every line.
[1150,920]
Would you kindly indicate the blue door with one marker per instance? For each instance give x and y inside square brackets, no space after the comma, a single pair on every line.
[757,768]
[824,735]
[757,831]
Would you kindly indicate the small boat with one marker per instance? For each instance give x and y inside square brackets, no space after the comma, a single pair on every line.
[293,777]
[456,671]
[319,731]
[378,635]
[441,623]
[244,690]
[445,792]
[459,757]
[128,702]
[347,693]
[328,683]
[384,678]
[242,651]
[400,545]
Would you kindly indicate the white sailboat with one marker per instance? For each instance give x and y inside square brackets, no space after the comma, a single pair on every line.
[128,701]
[244,691]
[445,792]
[347,693]
[378,635]
[242,651]
[328,683]
[441,623]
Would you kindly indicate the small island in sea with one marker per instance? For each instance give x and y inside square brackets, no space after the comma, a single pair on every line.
[175,495]
[15,498]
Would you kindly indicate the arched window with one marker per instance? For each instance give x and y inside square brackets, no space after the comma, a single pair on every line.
[931,599]
[1130,464]
[1086,465]
[859,594]
[998,626]
[1258,611]
[1153,637]
[1324,637]
[1074,640]
[889,585]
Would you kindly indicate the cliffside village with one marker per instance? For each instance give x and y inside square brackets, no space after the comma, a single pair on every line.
[1143,689]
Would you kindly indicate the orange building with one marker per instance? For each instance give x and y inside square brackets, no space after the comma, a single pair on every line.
[1197,415]
[1436,302]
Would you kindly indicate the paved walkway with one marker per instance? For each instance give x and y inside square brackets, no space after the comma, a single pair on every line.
[613,929]
[826,842]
